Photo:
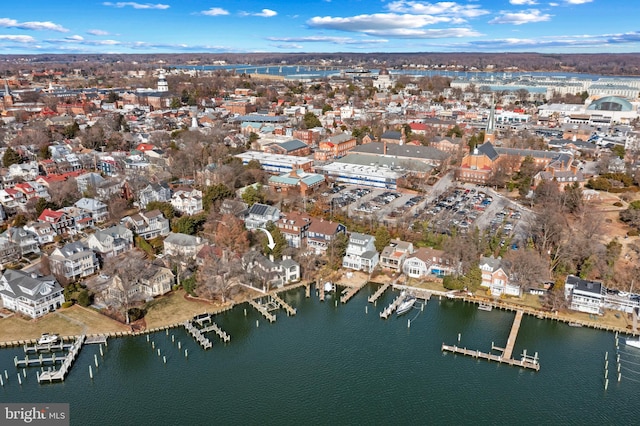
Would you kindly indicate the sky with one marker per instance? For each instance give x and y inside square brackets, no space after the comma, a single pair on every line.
[245,26]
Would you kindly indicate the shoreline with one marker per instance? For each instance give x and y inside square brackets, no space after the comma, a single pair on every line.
[568,318]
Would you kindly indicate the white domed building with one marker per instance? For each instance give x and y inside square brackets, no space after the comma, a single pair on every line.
[384,81]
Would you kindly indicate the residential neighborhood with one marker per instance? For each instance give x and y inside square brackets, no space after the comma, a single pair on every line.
[430,181]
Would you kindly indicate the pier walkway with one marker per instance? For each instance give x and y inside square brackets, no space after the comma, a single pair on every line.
[262,309]
[51,347]
[511,341]
[290,310]
[389,310]
[59,375]
[197,334]
[506,356]
[215,328]
[375,296]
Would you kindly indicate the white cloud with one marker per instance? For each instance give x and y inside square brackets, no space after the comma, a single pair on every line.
[554,4]
[578,1]
[98,32]
[519,18]
[376,22]
[74,38]
[135,5]
[289,46]
[18,38]
[522,2]
[265,13]
[447,8]
[32,25]
[215,11]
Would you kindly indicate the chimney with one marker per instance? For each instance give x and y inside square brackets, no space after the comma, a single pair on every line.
[384,148]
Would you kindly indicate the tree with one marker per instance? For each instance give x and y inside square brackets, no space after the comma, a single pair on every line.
[231,235]
[336,250]
[215,193]
[310,121]
[455,131]
[165,207]
[278,239]
[10,157]
[253,194]
[189,225]
[527,268]
[65,193]
[126,272]
[618,151]
[382,238]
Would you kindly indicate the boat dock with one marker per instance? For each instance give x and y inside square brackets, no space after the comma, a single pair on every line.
[220,332]
[51,347]
[348,293]
[96,340]
[55,375]
[290,310]
[375,296]
[506,353]
[262,309]
[197,334]
[511,341]
[389,310]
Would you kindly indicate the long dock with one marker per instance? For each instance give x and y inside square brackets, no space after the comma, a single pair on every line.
[290,310]
[55,375]
[506,353]
[348,293]
[263,310]
[375,296]
[197,334]
[40,360]
[220,332]
[389,310]
[96,340]
[526,362]
[511,341]
[51,347]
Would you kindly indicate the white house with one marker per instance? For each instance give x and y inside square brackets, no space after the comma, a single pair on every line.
[424,262]
[187,201]
[148,225]
[97,209]
[73,261]
[112,241]
[259,215]
[361,253]
[496,278]
[28,294]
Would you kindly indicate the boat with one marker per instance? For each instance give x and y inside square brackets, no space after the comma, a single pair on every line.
[328,287]
[406,305]
[47,339]
[575,324]
[485,307]
[634,343]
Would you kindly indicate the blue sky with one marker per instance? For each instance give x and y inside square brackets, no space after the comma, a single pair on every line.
[168,26]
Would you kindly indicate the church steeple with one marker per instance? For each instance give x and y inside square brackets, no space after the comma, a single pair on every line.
[489,131]
[7,98]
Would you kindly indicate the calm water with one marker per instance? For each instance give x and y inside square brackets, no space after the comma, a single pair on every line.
[340,365]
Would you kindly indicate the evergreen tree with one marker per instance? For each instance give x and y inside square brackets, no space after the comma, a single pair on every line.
[10,157]
[383,238]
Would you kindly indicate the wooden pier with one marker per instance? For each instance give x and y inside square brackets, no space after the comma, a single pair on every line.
[40,360]
[96,340]
[506,353]
[307,291]
[511,341]
[348,293]
[290,310]
[215,328]
[375,296]
[59,375]
[197,334]
[389,310]
[51,347]
[526,362]
[263,310]
[320,292]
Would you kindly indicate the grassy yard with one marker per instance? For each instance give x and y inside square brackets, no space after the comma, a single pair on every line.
[65,322]
[174,308]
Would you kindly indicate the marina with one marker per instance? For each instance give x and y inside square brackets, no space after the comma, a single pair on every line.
[410,362]
[52,374]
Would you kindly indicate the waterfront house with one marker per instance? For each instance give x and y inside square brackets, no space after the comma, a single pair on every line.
[495,277]
[361,253]
[147,225]
[9,251]
[393,255]
[152,281]
[426,261]
[271,273]
[321,233]
[73,261]
[583,295]
[30,294]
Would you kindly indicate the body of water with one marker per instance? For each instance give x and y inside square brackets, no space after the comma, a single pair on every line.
[340,365]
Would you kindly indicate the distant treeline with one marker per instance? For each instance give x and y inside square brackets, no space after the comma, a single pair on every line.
[597,63]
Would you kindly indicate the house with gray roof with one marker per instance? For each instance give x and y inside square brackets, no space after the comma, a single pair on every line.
[495,276]
[96,209]
[361,253]
[73,261]
[148,225]
[269,272]
[182,245]
[30,294]
[111,242]
[154,192]
[26,240]
[259,215]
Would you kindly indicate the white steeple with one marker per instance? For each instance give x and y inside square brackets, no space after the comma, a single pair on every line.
[163,86]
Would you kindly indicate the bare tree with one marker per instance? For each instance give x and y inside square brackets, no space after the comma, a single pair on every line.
[126,272]
[527,268]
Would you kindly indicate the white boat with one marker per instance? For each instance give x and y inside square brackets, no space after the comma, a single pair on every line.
[635,343]
[575,324]
[47,339]
[485,307]
[406,305]
[328,287]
